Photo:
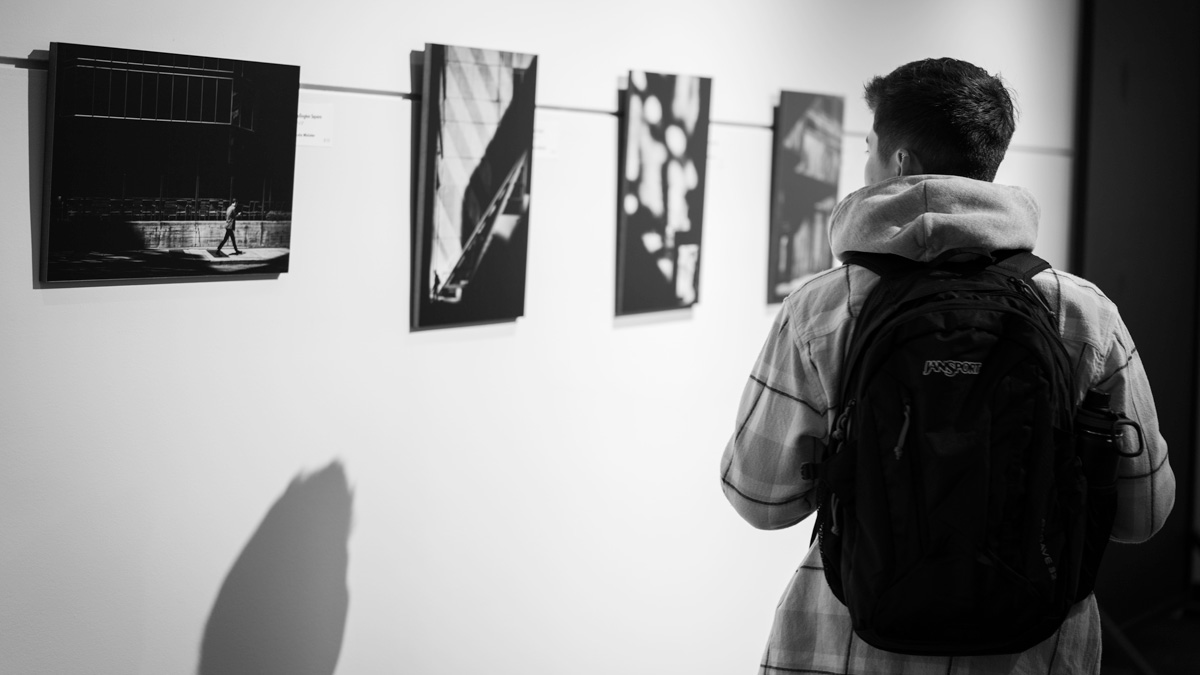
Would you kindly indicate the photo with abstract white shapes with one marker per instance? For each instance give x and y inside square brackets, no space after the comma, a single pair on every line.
[663,113]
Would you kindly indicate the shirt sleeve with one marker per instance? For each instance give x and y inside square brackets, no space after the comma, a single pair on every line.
[1145,483]
[781,426]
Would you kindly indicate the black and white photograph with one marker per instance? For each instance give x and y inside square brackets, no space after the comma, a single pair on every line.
[163,165]
[804,188]
[660,198]
[474,128]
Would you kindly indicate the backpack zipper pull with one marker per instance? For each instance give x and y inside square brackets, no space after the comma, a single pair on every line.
[842,424]
[1030,293]
[899,449]
[833,515]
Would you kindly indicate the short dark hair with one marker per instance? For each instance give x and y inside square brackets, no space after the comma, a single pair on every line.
[955,117]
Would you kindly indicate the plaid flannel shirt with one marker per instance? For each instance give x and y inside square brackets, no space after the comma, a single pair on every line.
[784,420]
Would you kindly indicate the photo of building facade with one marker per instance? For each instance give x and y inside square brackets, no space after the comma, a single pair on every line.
[146,153]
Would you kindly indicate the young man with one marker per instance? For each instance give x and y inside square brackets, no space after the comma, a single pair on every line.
[941,129]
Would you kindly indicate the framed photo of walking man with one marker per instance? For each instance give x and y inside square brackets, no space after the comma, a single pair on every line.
[163,165]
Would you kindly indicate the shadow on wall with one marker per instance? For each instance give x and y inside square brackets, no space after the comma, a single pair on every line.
[282,608]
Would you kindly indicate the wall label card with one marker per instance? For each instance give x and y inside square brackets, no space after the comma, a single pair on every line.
[314,125]
[545,136]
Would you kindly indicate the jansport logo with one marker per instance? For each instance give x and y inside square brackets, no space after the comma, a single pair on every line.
[952,368]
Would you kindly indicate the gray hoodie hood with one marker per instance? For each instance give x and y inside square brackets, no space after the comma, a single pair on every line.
[919,217]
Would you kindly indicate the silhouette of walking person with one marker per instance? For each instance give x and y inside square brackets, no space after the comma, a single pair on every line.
[231,215]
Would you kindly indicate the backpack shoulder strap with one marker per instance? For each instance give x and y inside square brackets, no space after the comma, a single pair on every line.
[890,268]
[1023,265]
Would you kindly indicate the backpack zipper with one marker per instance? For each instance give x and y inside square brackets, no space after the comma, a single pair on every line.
[1028,292]
[899,449]
[841,428]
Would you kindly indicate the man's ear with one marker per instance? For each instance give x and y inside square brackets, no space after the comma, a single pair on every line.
[906,163]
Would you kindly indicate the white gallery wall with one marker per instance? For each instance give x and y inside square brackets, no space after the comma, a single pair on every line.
[179,461]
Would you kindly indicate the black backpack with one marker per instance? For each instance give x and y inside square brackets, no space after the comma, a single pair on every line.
[952,503]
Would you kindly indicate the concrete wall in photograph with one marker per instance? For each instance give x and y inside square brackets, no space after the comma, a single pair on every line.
[118,235]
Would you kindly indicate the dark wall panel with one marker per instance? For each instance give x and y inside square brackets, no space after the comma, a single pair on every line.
[1136,237]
